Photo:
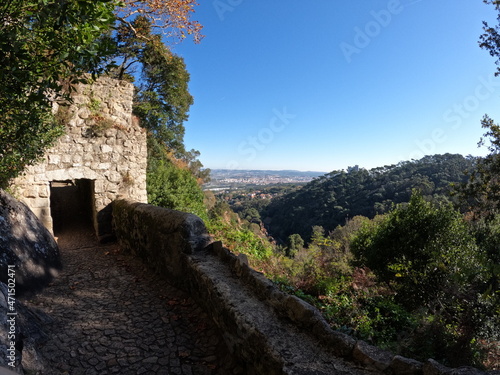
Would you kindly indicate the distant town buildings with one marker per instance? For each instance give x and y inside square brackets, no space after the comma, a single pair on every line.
[223,180]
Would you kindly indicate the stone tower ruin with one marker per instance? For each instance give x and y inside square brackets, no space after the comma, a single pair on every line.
[102,155]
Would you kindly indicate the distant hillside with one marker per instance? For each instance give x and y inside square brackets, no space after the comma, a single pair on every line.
[330,199]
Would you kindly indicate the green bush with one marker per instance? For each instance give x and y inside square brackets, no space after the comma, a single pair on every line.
[172,187]
[425,252]
[236,238]
[429,258]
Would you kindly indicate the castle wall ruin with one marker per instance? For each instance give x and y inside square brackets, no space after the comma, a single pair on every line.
[103,153]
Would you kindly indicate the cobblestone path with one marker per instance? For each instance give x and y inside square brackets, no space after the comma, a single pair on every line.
[110,315]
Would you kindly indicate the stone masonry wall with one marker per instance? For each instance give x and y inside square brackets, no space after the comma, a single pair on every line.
[103,143]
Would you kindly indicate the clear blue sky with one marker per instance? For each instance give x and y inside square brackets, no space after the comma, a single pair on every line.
[326,84]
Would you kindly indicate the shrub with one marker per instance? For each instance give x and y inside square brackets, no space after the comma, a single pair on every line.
[429,258]
[423,251]
[172,187]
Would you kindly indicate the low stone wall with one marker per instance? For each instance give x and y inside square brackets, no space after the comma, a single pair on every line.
[271,331]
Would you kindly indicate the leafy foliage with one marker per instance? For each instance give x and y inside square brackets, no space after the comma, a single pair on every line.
[162,99]
[428,256]
[482,190]
[43,43]
[422,250]
[171,186]
[490,39]
[294,244]
[237,235]
[26,130]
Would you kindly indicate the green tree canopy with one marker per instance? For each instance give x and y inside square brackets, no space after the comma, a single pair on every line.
[162,98]
[294,244]
[490,39]
[332,199]
[481,191]
[44,44]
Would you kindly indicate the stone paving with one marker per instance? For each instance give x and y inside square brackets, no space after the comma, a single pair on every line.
[110,315]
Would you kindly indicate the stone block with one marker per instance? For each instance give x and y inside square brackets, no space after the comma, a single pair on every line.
[106,148]
[54,175]
[43,191]
[112,188]
[39,168]
[298,310]
[66,158]
[88,156]
[54,159]
[30,192]
[77,159]
[371,356]
[65,139]
[118,149]
[40,177]
[406,366]
[105,158]
[99,186]
[114,177]
[39,202]
[115,158]
[104,166]
[76,149]
[84,113]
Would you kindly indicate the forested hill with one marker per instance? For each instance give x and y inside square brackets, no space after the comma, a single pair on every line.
[329,200]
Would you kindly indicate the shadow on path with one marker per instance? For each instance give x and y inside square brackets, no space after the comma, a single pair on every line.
[111,315]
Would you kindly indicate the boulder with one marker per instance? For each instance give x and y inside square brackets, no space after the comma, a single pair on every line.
[21,335]
[28,252]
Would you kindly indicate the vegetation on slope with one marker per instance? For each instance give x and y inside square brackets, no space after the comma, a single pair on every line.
[330,200]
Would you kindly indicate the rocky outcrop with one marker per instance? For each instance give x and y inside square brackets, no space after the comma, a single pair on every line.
[29,254]
[29,259]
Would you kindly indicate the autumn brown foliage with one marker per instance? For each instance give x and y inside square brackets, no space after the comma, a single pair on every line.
[173,17]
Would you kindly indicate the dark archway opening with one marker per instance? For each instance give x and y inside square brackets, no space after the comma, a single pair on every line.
[71,205]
